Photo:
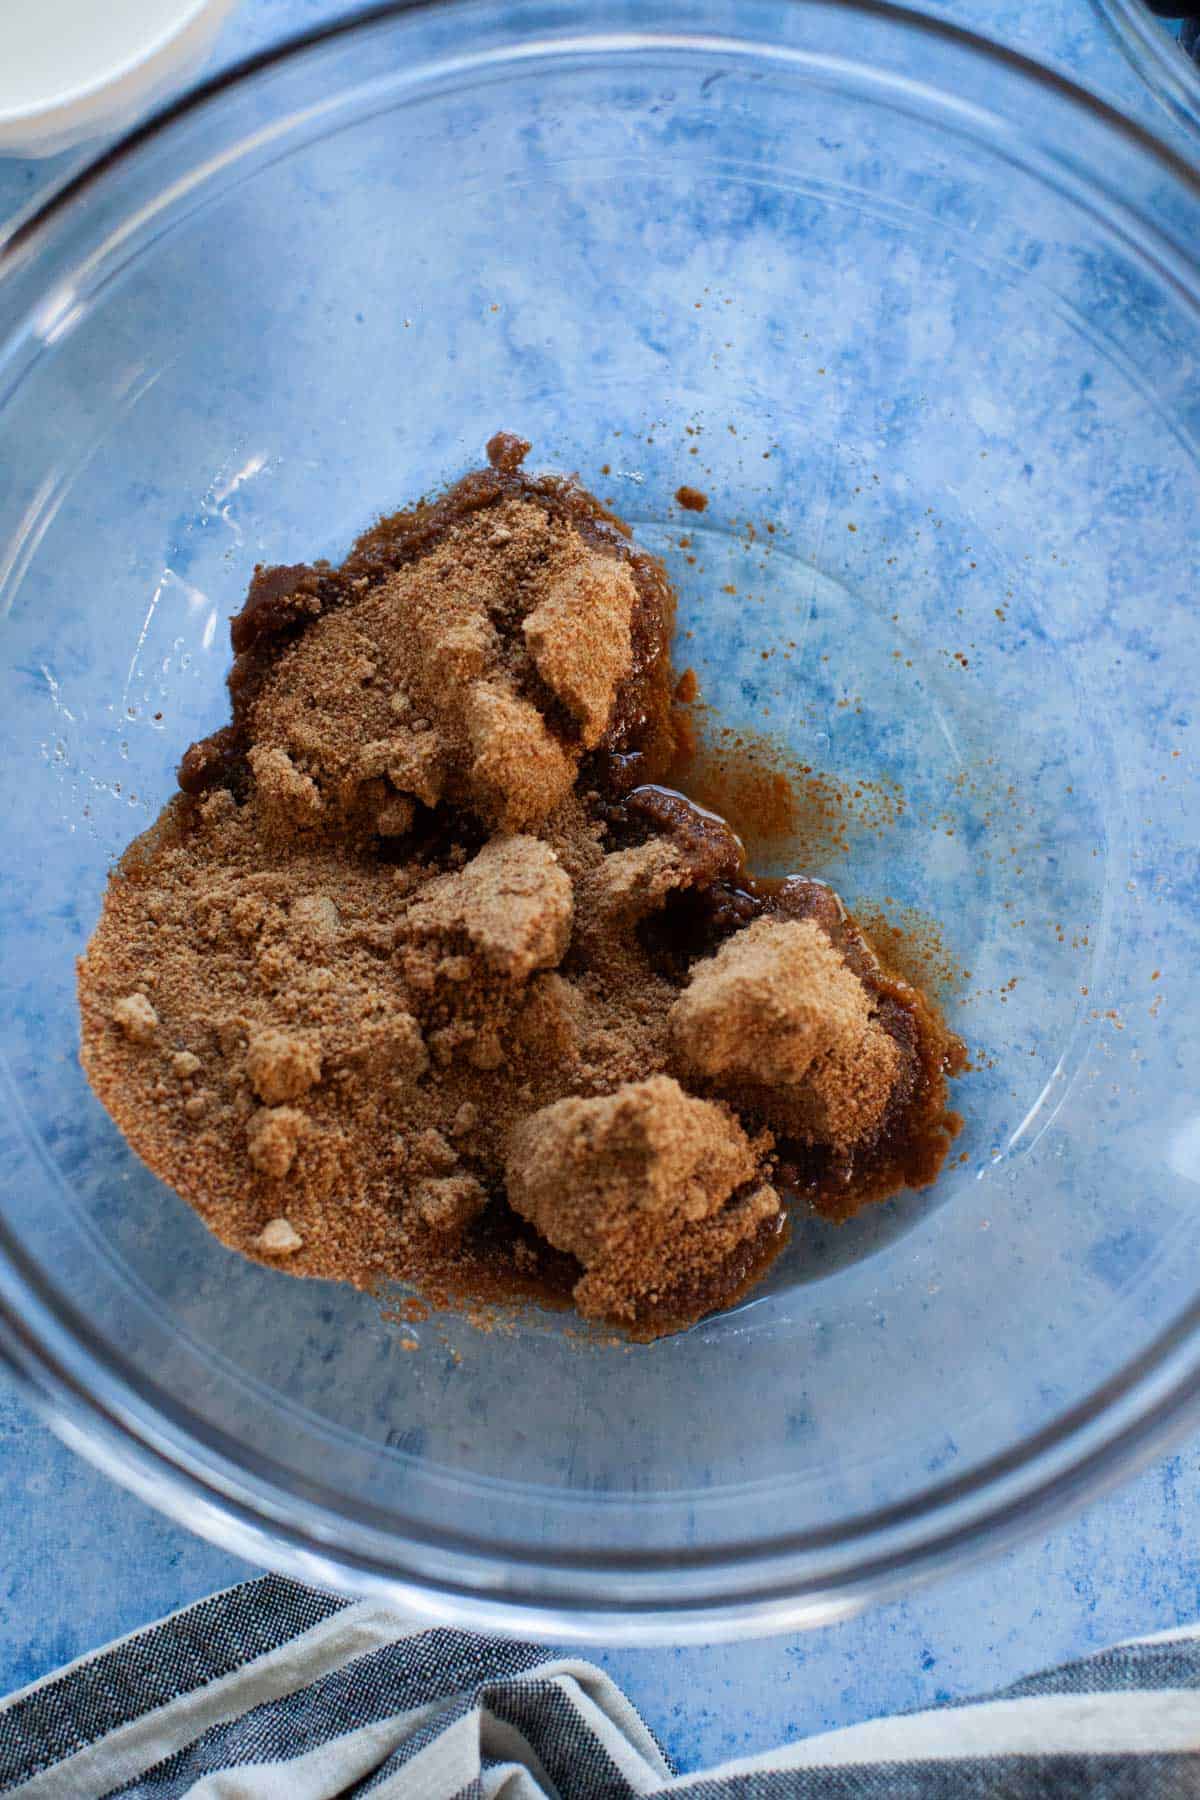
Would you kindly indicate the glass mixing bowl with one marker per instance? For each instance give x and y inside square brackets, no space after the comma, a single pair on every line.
[922,321]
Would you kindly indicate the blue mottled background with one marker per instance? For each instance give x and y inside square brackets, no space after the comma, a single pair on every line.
[83,1562]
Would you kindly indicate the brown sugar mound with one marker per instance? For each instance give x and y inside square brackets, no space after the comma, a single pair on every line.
[621,1182]
[510,907]
[662,1280]
[579,639]
[582,1170]
[778,1016]
[411,980]
[281,1066]
[477,675]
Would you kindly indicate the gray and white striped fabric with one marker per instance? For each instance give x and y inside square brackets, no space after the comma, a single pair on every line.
[273,1690]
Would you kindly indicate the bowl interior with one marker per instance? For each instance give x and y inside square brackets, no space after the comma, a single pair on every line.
[945,413]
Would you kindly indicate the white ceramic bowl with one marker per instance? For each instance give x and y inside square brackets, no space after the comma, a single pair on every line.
[71,69]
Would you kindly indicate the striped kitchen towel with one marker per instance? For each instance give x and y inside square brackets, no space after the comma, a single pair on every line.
[275,1690]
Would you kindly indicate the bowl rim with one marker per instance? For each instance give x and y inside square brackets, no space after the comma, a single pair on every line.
[128,1430]
[1171,76]
[29,222]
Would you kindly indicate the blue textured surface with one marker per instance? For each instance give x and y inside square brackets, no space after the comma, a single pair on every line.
[83,1562]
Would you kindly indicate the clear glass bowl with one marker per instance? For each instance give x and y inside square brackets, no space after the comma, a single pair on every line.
[1152,46]
[933,316]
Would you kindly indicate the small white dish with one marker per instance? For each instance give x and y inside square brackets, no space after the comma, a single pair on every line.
[71,69]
